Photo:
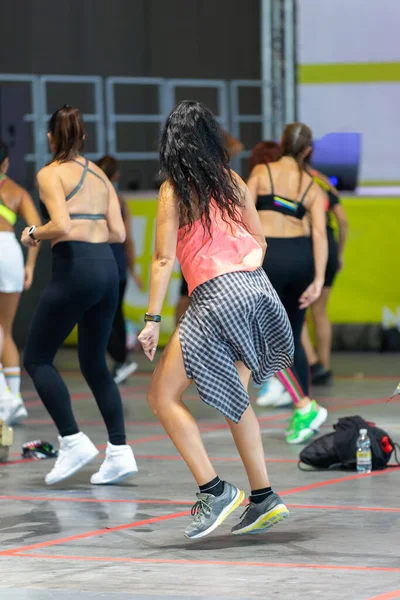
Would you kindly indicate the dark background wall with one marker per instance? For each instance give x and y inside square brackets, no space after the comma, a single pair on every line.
[142,38]
[161,38]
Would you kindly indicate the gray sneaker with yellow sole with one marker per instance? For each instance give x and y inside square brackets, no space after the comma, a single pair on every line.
[258,518]
[210,511]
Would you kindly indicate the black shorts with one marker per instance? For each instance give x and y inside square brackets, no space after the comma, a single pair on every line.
[289,265]
[332,265]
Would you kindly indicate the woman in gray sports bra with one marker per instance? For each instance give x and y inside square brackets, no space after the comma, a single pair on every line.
[83,215]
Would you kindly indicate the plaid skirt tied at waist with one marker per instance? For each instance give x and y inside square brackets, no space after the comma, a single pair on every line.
[234,317]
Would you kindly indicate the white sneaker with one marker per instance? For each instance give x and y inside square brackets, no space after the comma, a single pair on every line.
[118,464]
[124,371]
[284,399]
[274,391]
[75,452]
[12,409]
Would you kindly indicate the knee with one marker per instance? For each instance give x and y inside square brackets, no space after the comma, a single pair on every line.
[29,362]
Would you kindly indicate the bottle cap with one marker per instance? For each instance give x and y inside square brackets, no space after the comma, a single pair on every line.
[363,431]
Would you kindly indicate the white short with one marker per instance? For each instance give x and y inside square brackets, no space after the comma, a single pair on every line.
[11,263]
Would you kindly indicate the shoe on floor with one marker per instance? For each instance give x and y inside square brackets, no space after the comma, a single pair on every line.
[12,408]
[210,511]
[74,453]
[320,375]
[122,372]
[258,518]
[304,426]
[118,464]
[270,393]
[284,399]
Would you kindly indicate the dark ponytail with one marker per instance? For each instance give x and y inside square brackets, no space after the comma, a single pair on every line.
[296,138]
[67,129]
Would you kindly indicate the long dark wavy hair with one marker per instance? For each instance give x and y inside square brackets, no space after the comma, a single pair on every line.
[193,156]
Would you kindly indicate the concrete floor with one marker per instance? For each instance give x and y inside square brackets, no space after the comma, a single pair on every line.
[126,542]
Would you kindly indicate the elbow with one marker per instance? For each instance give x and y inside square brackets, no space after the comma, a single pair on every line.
[63,228]
[117,236]
[319,234]
[121,236]
[162,262]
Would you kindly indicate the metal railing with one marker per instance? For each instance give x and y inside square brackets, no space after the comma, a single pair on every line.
[113,118]
[106,118]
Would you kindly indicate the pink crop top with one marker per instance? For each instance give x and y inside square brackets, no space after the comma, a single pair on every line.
[203,257]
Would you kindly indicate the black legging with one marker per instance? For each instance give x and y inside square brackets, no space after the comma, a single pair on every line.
[83,290]
[289,264]
[117,343]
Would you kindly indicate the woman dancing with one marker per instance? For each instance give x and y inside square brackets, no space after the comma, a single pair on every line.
[124,254]
[14,278]
[83,215]
[284,194]
[235,326]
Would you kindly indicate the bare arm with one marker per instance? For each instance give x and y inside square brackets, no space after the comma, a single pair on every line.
[30,215]
[52,195]
[116,226]
[167,224]
[162,265]
[318,232]
[343,224]
[320,247]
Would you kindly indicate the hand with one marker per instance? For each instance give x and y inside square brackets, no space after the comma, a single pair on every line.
[26,240]
[28,277]
[340,262]
[311,294]
[149,339]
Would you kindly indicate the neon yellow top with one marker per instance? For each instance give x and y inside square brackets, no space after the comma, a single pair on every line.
[5,212]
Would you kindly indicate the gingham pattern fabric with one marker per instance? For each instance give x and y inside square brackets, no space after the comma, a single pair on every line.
[234,317]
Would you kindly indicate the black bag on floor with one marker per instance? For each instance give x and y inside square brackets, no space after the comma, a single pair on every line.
[337,450]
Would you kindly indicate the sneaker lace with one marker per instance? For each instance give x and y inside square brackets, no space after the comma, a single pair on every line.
[246,510]
[200,508]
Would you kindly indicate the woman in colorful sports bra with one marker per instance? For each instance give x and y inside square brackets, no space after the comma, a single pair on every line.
[14,278]
[284,194]
[235,326]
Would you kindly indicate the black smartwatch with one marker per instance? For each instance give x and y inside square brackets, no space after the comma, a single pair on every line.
[152,318]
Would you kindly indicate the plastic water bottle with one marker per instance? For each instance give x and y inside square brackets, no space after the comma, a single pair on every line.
[364,456]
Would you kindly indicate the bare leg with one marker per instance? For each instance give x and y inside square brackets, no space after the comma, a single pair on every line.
[248,440]
[323,328]
[312,357]
[165,398]
[8,308]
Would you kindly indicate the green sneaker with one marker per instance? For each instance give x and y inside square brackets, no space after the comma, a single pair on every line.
[257,518]
[291,426]
[210,511]
[305,426]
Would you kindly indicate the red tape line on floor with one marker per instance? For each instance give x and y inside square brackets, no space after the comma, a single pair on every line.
[211,563]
